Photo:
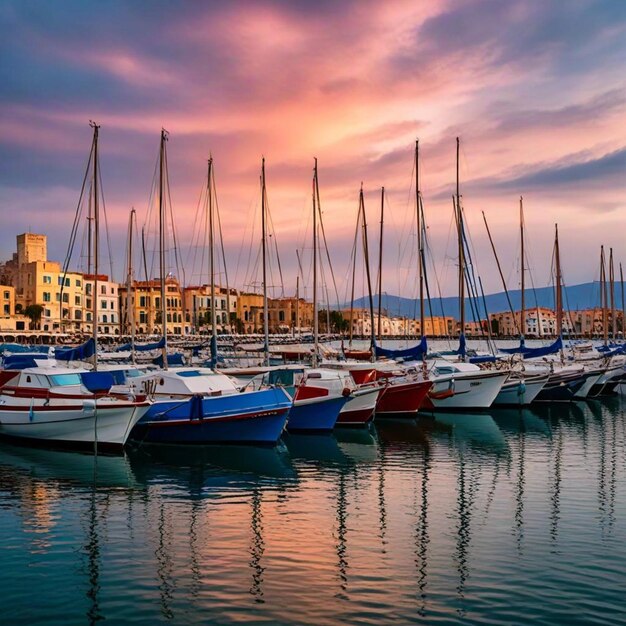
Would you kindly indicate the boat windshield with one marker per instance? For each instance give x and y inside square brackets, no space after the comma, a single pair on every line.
[63,380]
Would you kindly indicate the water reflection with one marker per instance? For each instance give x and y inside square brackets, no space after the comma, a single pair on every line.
[257,547]
[412,520]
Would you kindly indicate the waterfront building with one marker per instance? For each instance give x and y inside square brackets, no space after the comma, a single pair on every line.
[540,322]
[282,314]
[197,304]
[107,305]
[250,313]
[10,320]
[146,307]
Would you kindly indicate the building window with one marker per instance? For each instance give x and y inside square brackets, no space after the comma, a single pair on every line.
[7,295]
[7,309]
[89,316]
[103,290]
[143,318]
[112,291]
[77,300]
[46,296]
[88,288]
[103,304]
[78,315]
[66,298]
[47,280]
[142,300]
[104,319]
[77,282]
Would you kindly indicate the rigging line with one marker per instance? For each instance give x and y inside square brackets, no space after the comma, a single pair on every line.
[471,251]
[468,272]
[143,253]
[506,291]
[196,230]
[253,245]
[273,229]
[106,221]
[219,227]
[330,265]
[151,216]
[70,246]
[422,253]
[181,274]
[356,234]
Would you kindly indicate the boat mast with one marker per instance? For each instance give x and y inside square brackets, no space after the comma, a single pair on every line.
[315,312]
[559,295]
[162,245]
[522,272]
[612,292]
[380,265]
[420,246]
[96,218]
[130,312]
[603,298]
[266,338]
[209,189]
[459,213]
[367,271]
[297,324]
[621,282]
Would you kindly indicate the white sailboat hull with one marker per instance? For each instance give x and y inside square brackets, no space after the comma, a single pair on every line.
[465,391]
[80,423]
[520,392]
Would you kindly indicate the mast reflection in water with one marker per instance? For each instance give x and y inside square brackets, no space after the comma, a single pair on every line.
[459,518]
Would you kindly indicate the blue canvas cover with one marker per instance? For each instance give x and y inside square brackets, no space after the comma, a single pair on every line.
[78,353]
[97,382]
[19,362]
[530,353]
[172,359]
[416,352]
[138,347]
[462,343]
[18,347]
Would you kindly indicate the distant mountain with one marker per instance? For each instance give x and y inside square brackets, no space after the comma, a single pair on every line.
[576,297]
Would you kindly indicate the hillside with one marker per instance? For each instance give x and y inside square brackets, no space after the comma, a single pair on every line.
[575,297]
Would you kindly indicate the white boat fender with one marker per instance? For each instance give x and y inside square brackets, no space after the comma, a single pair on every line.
[89,407]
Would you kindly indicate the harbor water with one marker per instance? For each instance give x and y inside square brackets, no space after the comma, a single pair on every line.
[511,517]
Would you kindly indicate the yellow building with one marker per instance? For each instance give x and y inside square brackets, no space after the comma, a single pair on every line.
[9,320]
[197,301]
[250,313]
[146,307]
[282,313]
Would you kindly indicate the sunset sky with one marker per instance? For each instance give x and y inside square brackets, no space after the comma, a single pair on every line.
[536,90]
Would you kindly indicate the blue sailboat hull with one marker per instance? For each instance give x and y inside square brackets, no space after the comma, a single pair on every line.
[257,417]
[315,416]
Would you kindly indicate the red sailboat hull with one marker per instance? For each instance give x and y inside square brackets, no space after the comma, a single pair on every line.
[404,397]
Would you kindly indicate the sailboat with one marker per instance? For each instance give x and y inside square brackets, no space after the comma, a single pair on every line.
[457,384]
[202,405]
[56,405]
[402,393]
[522,387]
